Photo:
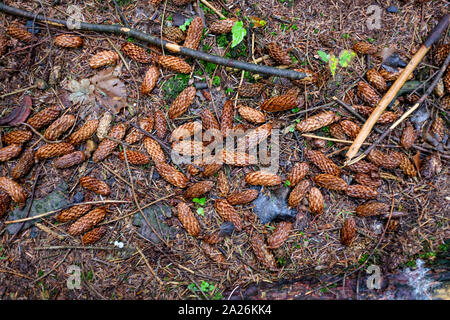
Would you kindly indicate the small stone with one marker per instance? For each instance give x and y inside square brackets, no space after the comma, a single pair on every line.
[392,9]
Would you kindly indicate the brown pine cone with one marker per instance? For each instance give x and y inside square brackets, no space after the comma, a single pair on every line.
[322,161]
[107,146]
[59,126]
[188,219]
[407,166]
[24,164]
[251,115]
[194,34]
[150,79]
[364,47]
[84,133]
[222,184]
[362,166]
[226,119]
[317,121]
[337,132]
[213,238]
[360,191]
[182,102]
[311,77]
[171,175]
[409,136]
[154,150]
[280,235]
[160,124]
[280,103]
[348,231]
[278,54]
[372,209]
[135,157]
[441,53]
[209,120]
[350,128]
[367,94]
[68,41]
[262,178]
[174,34]
[445,102]
[386,117]
[222,26]
[94,235]
[254,137]
[70,159]
[392,76]
[251,89]
[73,212]
[210,169]
[446,80]
[174,64]
[188,148]
[54,150]
[261,251]
[228,213]
[298,193]
[17,137]
[213,253]
[87,222]
[95,185]
[363,110]
[330,182]
[372,181]
[198,189]
[242,197]
[298,172]
[3,44]
[388,161]
[186,130]
[136,135]
[4,203]
[315,199]
[432,166]
[9,152]
[20,33]
[44,117]
[438,129]
[154,3]
[181,2]
[136,53]
[13,189]
[103,58]
[376,79]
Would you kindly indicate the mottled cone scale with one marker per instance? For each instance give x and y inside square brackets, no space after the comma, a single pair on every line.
[280,235]
[254,137]
[107,146]
[407,166]
[186,130]
[213,253]
[73,212]
[150,79]
[337,132]
[95,185]
[348,231]
[372,209]
[134,157]
[298,193]
[103,58]
[409,136]
[323,162]
[9,152]
[432,166]
[364,47]
[87,222]
[350,128]
[20,33]
[160,124]
[174,34]
[360,191]
[446,80]
[386,117]
[376,79]
[242,197]
[84,133]
[104,125]
[188,219]
[13,189]
[445,102]
[4,203]
[198,189]
[331,182]
[154,150]
[136,53]
[262,178]
[317,121]
[54,150]
[194,34]
[210,169]
[23,166]
[251,89]
[298,172]
[438,129]
[367,94]
[209,120]
[136,135]
[3,44]
[174,64]
[280,103]
[251,115]
[59,126]
[315,199]
[261,252]
[373,180]
[17,137]
[44,117]
[222,184]
[228,213]
[68,41]
[94,235]
[277,53]
[389,160]
[182,102]
[441,53]
[188,147]
[171,175]
[213,238]
[362,166]
[226,119]
[70,160]
[222,26]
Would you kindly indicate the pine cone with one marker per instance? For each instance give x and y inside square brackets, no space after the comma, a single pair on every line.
[20,33]
[392,76]
[150,79]
[213,253]
[407,166]
[322,161]
[251,89]
[182,102]
[386,117]
[298,172]
[213,238]
[376,79]
[280,235]
[280,103]
[446,80]
[186,130]
[315,199]
[188,219]
[372,181]
[160,124]
[262,178]
[181,2]
[198,189]
[171,175]
[278,54]
[68,41]
[174,34]
[242,197]
[107,146]
[13,189]
[226,119]
[9,152]
[261,251]
[251,115]
[136,53]
[59,126]
[4,203]
[154,3]
[95,185]
[372,209]
[311,77]
[254,137]
[222,184]
[174,64]
[103,58]
[24,164]
[228,213]
[54,150]
[441,53]
[432,166]
[3,44]
[362,166]
[298,193]
[388,161]
[17,137]
[134,157]
[87,222]
[367,94]
[445,102]
[136,135]
[44,117]
[209,120]
[222,26]
[73,212]
[364,47]
[188,148]
[94,235]
[154,150]
[337,132]
[350,128]
[210,169]
[84,133]
[330,182]
[104,125]
[438,129]
[360,191]
[409,136]
[194,34]
[317,121]
[70,159]
[348,231]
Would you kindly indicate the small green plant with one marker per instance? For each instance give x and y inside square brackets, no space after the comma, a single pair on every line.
[2,253]
[200,201]
[207,288]
[282,261]
[287,183]
[239,32]
[216,81]
[363,258]
[344,59]
[186,24]
[201,211]
[175,85]
[295,110]
[206,9]
[229,90]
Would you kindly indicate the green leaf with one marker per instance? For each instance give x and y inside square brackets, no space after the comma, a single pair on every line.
[200,201]
[216,81]
[296,109]
[239,32]
[323,55]
[186,24]
[201,211]
[346,57]
[287,183]
[333,62]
